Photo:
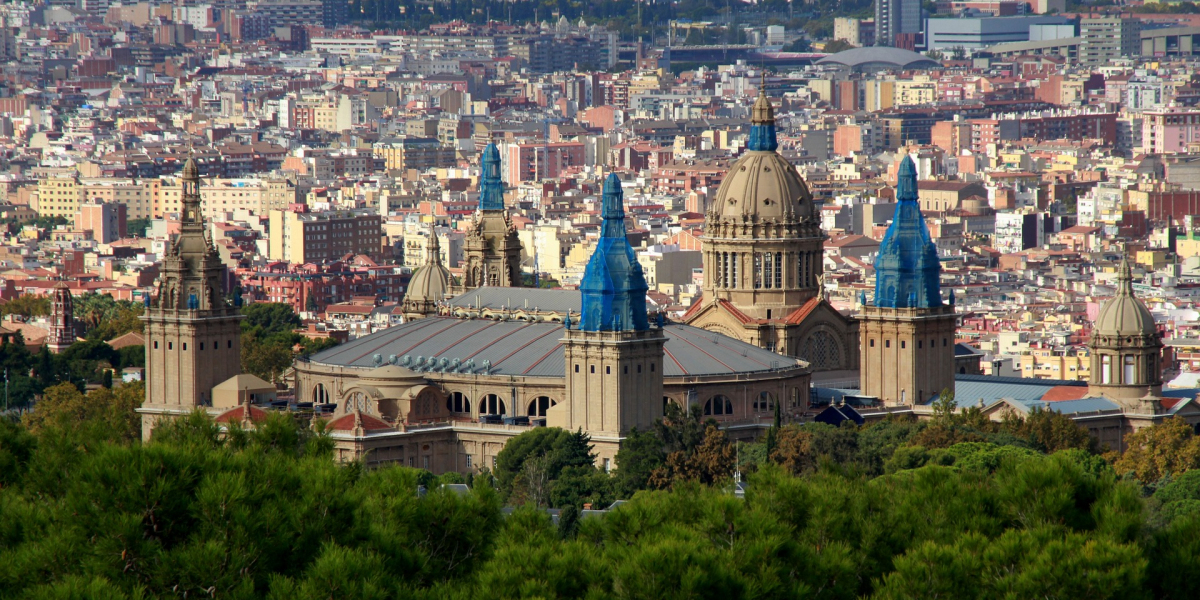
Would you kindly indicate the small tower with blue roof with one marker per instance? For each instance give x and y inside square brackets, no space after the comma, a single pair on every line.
[492,250]
[907,333]
[614,359]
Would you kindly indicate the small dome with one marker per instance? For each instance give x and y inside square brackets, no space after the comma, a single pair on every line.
[389,373]
[190,170]
[430,283]
[763,184]
[1124,315]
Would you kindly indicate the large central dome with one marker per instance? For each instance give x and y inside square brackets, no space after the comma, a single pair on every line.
[762,184]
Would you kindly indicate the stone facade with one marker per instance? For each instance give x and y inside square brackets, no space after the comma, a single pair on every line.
[907,354]
[193,336]
[763,267]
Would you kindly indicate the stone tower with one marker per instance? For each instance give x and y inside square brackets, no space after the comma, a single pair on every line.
[762,255]
[63,331]
[193,336]
[763,243]
[907,333]
[1126,350]
[492,249]
[614,360]
[429,284]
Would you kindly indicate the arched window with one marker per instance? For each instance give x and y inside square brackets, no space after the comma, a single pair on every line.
[491,404]
[357,400]
[718,405]
[666,403]
[822,350]
[457,402]
[764,402]
[320,395]
[538,406]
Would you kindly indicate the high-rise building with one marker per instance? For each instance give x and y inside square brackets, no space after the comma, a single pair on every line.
[193,336]
[1109,38]
[894,18]
[493,251]
[106,221]
[907,334]
[300,237]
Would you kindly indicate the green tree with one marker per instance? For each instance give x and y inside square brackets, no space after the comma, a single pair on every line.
[27,305]
[267,319]
[268,358]
[1167,448]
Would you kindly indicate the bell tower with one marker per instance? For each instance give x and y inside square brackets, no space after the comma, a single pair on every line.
[63,331]
[614,360]
[193,336]
[492,249]
[906,336]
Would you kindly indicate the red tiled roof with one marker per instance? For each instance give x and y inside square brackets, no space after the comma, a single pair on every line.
[236,415]
[346,423]
[798,315]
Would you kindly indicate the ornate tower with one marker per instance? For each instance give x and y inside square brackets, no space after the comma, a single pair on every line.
[763,243]
[907,334]
[614,360]
[763,252]
[1126,350]
[193,336]
[429,284]
[63,331]
[493,251]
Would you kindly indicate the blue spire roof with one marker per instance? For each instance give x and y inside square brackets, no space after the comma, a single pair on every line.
[762,125]
[613,287]
[907,267]
[491,188]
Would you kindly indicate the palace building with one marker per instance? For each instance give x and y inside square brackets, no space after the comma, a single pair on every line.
[447,391]
[908,348]
[763,260]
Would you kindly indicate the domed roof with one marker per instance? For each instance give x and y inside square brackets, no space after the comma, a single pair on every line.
[431,281]
[879,57]
[762,183]
[190,170]
[390,372]
[1124,315]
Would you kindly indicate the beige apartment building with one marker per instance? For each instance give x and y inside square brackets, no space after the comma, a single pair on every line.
[303,237]
[1056,363]
[156,198]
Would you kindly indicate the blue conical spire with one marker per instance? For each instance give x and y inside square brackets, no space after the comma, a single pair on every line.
[491,188]
[907,268]
[613,286]
[762,123]
[612,208]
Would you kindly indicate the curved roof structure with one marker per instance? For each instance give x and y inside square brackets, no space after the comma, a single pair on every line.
[762,184]
[1124,315]
[874,58]
[525,349]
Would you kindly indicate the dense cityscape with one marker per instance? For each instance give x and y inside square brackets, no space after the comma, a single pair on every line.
[630,299]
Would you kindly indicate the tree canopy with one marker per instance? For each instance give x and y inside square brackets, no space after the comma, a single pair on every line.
[87,510]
